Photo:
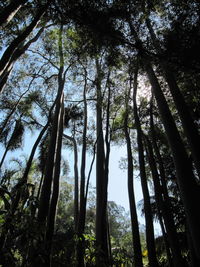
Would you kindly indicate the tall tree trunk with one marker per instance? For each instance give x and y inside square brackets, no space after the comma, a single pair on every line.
[185,177]
[167,216]
[7,55]
[101,190]
[164,234]
[76,181]
[55,193]
[10,10]
[50,163]
[134,219]
[16,54]
[188,124]
[107,158]
[82,211]
[76,186]
[147,205]
[23,181]
[47,207]
[194,261]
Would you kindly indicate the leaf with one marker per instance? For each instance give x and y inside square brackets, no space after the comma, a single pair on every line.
[16,137]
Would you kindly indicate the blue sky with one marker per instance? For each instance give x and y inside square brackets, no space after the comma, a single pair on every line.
[117,187]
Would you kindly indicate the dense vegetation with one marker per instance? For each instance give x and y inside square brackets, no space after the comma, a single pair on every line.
[84,76]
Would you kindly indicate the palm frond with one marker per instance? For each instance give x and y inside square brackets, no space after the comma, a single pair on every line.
[16,138]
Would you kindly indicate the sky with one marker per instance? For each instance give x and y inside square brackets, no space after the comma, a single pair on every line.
[117,185]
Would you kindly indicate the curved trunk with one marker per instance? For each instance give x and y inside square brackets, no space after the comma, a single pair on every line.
[21,183]
[28,166]
[16,54]
[12,112]
[167,216]
[7,55]
[185,177]
[147,205]
[188,124]
[10,10]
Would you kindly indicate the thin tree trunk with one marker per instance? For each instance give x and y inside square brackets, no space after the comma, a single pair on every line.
[24,178]
[167,216]
[12,112]
[82,211]
[89,173]
[133,212]
[50,164]
[8,146]
[164,234]
[107,158]
[23,181]
[4,155]
[147,205]
[76,181]
[10,10]
[134,219]
[56,181]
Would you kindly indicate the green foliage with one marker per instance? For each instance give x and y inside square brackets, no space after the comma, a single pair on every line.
[17,136]
[91,30]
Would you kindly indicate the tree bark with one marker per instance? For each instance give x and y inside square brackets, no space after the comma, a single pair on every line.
[55,193]
[50,164]
[185,177]
[101,189]
[12,112]
[76,181]
[10,10]
[167,216]
[134,219]
[4,155]
[5,59]
[107,158]
[164,234]
[82,210]
[16,55]
[147,205]
[188,124]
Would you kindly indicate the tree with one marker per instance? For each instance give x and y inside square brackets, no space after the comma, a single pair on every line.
[14,50]
[189,126]
[78,54]
[10,10]
[101,179]
[164,209]
[147,206]
[133,212]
